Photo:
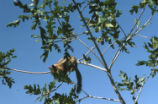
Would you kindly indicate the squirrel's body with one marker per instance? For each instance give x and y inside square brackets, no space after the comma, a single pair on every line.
[68,64]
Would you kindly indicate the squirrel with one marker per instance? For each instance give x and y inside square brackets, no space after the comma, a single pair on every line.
[68,64]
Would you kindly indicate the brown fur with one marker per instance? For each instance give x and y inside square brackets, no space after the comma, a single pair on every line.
[68,64]
[64,64]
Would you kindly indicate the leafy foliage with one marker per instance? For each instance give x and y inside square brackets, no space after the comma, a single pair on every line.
[63,99]
[152,4]
[128,84]
[44,18]
[5,59]
[86,59]
[35,90]
[5,78]
[133,86]
[62,76]
[152,48]
[53,21]
[14,23]
[103,20]
[49,95]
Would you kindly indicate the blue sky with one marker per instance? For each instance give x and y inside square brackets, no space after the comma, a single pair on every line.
[95,82]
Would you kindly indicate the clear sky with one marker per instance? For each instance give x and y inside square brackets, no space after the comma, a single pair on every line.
[95,82]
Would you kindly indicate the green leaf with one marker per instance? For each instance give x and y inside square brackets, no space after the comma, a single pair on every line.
[86,59]
[23,17]
[14,23]
[141,63]
[109,25]
[134,9]
[35,89]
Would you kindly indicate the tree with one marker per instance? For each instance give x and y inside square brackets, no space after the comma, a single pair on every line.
[100,26]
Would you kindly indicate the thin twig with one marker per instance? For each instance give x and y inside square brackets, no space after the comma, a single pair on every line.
[146,23]
[28,72]
[105,50]
[143,36]
[90,50]
[115,57]
[85,92]
[87,53]
[122,30]
[109,99]
[84,7]
[96,97]
[67,39]
[128,38]
[57,87]
[137,21]
[92,65]
[140,90]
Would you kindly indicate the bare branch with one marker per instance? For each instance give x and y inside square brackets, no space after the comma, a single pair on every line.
[137,20]
[143,36]
[122,30]
[68,39]
[28,72]
[109,99]
[145,24]
[92,47]
[57,87]
[87,53]
[115,57]
[84,6]
[140,90]
[96,97]
[128,38]
[90,50]
[105,50]
[91,65]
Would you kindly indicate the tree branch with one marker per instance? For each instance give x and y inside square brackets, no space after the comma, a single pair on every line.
[96,97]
[90,50]
[140,90]
[105,50]
[87,53]
[28,72]
[101,55]
[122,30]
[143,26]
[128,38]
[90,33]
[143,36]
[91,65]
[137,20]
[57,87]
